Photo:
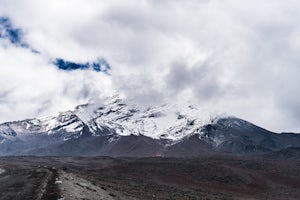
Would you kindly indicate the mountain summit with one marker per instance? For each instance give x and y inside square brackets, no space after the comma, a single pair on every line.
[116,127]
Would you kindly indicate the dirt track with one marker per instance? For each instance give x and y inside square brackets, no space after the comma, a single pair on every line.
[75,188]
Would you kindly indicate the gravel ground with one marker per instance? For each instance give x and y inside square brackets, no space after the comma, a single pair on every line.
[75,188]
[105,178]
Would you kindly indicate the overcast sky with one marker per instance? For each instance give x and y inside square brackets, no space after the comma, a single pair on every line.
[240,57]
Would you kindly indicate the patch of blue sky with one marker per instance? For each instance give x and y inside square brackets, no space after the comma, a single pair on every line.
[100,65]
[13,34]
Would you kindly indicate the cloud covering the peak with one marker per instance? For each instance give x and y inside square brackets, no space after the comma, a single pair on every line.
[238,57]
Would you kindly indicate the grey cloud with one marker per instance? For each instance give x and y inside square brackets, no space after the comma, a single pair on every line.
[3,95]
[235,56]
[201,78]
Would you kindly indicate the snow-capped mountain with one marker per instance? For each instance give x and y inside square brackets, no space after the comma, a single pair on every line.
[117,127]
[166,121]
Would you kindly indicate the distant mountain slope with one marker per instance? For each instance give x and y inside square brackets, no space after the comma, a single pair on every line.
[118,128]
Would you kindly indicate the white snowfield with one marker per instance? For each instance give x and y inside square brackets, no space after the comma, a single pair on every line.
[170,121]
[2,171]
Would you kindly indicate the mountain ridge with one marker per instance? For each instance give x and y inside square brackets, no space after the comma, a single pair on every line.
[118,128]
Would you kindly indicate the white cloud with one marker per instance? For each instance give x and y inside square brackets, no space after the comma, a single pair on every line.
[239,57]
[31,86]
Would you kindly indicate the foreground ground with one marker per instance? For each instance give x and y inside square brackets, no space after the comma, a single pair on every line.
[209,177]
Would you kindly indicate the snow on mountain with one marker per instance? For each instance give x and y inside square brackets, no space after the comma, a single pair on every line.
[118,127]
[66,123]
[169,121]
